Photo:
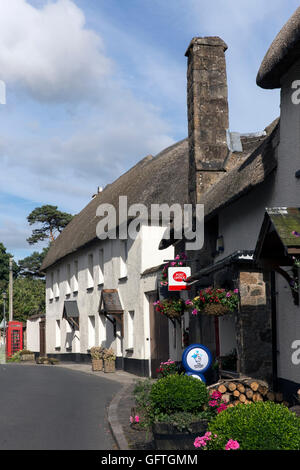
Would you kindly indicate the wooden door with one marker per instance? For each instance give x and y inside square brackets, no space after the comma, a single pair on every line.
[159,336]
[42,338]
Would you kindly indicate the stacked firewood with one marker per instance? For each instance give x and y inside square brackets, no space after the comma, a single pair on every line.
[246,390]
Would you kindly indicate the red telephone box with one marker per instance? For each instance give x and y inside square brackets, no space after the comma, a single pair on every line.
[14,337]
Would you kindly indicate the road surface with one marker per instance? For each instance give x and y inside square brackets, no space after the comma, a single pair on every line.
[49,407]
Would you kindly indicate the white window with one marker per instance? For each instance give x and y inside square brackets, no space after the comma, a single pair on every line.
[123,258]
[130,329]
[90,272]
[101,267]
[56,285]
[57,334]
[69,335]
[51,287]
[75,276]
[68,280]
[91,331]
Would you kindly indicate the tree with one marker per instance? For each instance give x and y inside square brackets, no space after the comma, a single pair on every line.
[29,298]
[52,221]
[4,268]
[30,266]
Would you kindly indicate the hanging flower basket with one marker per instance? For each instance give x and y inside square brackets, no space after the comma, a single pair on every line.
[178,261]
[171,308]
[216,309]
[216,302]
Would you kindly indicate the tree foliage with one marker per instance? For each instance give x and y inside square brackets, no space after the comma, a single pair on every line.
[4,268]
[51,220]
[29,298]
[30,266]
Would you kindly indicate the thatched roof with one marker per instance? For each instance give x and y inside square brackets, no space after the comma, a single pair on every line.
[163,179]
[259,163]
[154,180]
[283,52]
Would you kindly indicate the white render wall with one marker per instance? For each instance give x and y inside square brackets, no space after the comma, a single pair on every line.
[143,253]
[33,334]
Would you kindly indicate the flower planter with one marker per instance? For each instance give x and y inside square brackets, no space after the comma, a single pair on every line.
[109,366]
[167,437]
[97,364]
[216,310]
[27,357]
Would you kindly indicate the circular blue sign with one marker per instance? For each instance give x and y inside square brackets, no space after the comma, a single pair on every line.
[196,358]
[196,376]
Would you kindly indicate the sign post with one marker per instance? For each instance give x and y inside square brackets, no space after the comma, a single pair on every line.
[177,277]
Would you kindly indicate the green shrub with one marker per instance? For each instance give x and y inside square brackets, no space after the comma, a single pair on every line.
[257,426]
[178,393]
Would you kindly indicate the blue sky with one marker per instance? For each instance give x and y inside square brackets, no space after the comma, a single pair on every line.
[94,86]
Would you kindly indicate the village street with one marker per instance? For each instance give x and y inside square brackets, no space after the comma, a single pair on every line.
[48,407]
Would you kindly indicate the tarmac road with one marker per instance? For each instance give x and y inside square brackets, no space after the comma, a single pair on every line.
[49,408]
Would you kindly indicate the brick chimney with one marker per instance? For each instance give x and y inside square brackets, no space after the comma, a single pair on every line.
[207,113]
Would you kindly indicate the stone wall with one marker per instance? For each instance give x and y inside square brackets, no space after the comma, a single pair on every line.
[254,326]
[207,113]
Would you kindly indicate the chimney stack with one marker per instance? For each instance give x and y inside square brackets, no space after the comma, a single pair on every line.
[207,113]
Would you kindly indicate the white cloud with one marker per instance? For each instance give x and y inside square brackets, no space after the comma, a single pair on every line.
[49,52]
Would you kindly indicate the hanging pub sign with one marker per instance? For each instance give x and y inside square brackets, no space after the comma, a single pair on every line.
[196,360]
[177,277]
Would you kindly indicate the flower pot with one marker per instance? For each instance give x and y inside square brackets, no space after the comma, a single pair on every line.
[109,366]
[27,357]
[97,364]
[168,437]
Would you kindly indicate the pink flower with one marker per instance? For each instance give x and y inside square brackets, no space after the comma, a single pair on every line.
[232,445]
[137,419]
[216,395]
[236,291]
[195,312]
[228,294]
[222,407]
[131,419]
[213,403]
[296,234]
[188,302]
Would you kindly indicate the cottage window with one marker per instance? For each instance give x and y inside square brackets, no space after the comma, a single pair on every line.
[68,280]
[51,287]
[91,331]
[90,272]
[75,276]
[101,267]
[56,285]
[57,334]
[123,258]
[130,329]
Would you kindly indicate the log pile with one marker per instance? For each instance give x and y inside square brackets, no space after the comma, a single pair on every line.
[246,390]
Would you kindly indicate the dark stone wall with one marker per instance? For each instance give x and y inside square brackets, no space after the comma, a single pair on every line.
[254,327]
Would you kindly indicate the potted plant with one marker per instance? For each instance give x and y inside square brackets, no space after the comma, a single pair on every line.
[97,358]
[171,308]
[212,301]
[176,409]
[26,355]
[109,359]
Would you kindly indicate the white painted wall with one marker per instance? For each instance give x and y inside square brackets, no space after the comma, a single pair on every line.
[85,287]
[33,334]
